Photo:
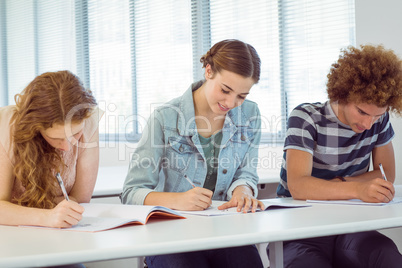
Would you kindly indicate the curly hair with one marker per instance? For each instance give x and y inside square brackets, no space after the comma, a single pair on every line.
[370,75]
[46,101]
[234,56]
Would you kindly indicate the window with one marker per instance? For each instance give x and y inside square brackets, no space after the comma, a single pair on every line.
[137,54]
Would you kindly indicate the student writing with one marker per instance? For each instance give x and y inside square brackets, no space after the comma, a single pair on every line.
[209,135]
[327,154]
[52,128]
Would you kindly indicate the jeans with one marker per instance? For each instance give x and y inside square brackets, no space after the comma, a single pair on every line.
[357,250]
[245,256]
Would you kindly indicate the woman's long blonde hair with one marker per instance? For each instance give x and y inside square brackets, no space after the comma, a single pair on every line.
[46,101]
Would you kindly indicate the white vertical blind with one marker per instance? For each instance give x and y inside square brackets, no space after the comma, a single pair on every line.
[109,56]
[163,53]
[137,54]
[3,58]
[21,51]
[313,32]
[39,38]
[55,35]
[255,22]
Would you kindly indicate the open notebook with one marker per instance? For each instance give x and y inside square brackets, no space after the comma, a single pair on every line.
[274,203]
[100,217]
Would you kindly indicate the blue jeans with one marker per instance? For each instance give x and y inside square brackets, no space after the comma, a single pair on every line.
[357,250]
[245,256]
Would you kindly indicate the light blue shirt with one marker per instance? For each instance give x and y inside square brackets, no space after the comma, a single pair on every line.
[170,148]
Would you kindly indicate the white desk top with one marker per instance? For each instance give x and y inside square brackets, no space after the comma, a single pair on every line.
[111,179]
[21,247]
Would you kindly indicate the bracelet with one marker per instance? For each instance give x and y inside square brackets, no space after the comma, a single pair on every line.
[340,178]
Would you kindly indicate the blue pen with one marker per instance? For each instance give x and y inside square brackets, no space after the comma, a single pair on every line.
[382,172]
[61,183]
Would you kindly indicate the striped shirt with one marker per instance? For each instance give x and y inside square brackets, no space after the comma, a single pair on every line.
[337,150]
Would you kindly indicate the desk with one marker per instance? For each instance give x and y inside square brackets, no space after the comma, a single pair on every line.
[21,247]
[111,179]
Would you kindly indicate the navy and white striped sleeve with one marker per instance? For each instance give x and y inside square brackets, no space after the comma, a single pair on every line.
[301,133]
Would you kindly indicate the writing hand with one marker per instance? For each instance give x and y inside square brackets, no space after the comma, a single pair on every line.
[64,215]
[243,199]
[196,199]
[376,191]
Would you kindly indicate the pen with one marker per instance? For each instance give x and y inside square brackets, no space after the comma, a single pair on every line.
[188,179]
[63,189]
[383,173]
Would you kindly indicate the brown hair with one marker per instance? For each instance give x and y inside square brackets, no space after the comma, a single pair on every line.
[233,56]
[46,101]
[370,75]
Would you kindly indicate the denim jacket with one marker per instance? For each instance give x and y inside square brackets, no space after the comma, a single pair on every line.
[170,148]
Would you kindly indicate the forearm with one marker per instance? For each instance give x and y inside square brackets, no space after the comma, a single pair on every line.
[166,199]
[371,175]
[12,214]
[309,187]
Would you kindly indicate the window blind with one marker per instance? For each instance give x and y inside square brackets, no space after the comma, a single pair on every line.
[256,23]
[312,34]
[137,54]
[39,38]
[20,37]
[163,53]
[107,51]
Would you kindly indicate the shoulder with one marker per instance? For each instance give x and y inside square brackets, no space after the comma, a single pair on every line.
[92,123]
[309,109]
[248,109]
[167,112]
[5,118]
[176,109]
[309,113]
[6,114]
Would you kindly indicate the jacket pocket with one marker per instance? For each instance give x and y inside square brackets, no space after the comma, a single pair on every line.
[179,153]
[243,136]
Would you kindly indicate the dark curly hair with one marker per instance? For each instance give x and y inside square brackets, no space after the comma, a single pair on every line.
[370,75]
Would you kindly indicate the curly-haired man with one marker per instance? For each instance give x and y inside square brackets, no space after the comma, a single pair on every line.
[327,155]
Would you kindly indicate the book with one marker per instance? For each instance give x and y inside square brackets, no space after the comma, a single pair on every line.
[273,203]
[101,217]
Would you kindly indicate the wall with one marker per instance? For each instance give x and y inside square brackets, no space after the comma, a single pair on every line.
[380,22]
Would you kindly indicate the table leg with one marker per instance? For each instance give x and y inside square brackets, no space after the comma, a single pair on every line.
[276,254]
[140,262]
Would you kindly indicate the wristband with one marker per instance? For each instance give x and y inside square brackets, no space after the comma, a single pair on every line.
[340,178]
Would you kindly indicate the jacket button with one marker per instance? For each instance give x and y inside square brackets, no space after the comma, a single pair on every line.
[243,138]
[224,171]
[181,149]
[220,193]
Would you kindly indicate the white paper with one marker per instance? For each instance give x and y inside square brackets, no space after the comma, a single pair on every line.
[269,204]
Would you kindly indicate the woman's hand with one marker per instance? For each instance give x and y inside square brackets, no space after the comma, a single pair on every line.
[195,199]
[64,215]
[243,198]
